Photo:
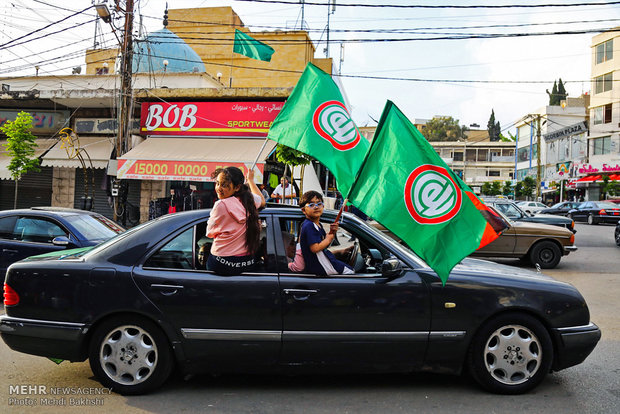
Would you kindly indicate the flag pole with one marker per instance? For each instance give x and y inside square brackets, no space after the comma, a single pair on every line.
[344,203]
[259,153]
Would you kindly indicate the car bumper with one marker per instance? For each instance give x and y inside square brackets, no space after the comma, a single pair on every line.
[51,339]
[608,219]
[574,344]
[569,249]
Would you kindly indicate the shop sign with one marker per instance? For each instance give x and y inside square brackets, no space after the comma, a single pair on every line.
[43,122]
[177,170]
[102,126]
[577,128]
[590,169]
[222,119]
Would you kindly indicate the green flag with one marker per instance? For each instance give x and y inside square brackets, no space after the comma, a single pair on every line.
[315,121]
[404,185]
[252,48]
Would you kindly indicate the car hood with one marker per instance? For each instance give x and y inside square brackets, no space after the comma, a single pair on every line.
[60,254]
[469,266]
[542,218]
[540,227]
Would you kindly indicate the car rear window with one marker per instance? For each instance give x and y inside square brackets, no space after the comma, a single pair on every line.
[94,227]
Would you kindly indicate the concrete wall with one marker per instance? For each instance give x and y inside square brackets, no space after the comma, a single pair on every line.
[63,187]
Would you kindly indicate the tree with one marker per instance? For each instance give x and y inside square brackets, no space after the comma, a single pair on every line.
[20,146]
[518,190]
[293,158]
[609,188]
[529,185]
[486,188]
[553,96]
[509,138]
[494,128]
[444,128]
[558,93]
[561,91]
[507,189]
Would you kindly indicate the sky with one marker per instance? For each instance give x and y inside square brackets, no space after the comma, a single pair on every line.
[461,78]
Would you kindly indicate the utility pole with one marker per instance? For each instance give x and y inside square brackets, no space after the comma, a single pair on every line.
[124,129]
[538,166]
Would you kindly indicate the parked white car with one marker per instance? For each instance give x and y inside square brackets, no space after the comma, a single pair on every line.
[532,207]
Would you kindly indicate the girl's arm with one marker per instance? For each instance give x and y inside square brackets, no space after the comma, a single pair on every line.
[254,188]
[317,247]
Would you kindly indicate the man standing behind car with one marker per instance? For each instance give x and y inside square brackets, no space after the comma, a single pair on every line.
[285,192]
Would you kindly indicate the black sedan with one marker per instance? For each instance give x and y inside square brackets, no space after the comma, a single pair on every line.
[595,212]
[140,304]
[28,232]
[514,213]
[560,209]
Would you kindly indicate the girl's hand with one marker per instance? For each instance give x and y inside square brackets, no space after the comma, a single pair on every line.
[333,228]
[250,175]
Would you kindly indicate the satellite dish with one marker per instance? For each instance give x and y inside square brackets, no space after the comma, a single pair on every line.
[76,70]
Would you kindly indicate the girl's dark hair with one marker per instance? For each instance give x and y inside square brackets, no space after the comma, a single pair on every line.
[234,176]
[308,196]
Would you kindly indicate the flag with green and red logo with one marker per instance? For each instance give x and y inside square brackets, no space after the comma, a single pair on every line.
[315,121]
[408,188]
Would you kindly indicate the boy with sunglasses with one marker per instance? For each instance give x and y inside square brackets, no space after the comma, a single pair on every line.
[314,241]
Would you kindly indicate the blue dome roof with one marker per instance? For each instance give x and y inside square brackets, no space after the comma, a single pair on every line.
[150,53]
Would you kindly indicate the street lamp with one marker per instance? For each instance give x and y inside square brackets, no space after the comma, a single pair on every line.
[103,12]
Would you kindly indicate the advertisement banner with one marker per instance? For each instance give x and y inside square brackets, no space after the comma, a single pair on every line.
[178,170]
[221,119]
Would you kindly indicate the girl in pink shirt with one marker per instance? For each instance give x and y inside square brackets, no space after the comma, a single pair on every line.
[233,224]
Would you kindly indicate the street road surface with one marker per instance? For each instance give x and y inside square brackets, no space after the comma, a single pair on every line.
[592,387]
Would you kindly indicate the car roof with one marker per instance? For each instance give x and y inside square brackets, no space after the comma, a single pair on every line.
[49,210]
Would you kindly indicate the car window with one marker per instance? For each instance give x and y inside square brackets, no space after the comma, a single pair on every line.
[176,254]
[349,246]
[607,205]
[7,224]
[508,209]
[190,250]
[37,230]
[93,227]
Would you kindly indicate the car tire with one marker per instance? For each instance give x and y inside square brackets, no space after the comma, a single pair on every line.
[617,235]
[592,220]
[130,355]
[511,354]
[546,253]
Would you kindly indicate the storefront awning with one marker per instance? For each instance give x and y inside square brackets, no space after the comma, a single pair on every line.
[191,159]
[43,144]
[98,149]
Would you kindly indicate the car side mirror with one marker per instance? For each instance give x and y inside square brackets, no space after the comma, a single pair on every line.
[61,241]
[391,268]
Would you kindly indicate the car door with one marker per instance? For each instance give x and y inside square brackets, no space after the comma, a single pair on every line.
[225,321]
[24,236]
[361,320]
[582,211]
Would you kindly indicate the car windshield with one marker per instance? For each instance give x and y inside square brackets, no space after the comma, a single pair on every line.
[558,205]
[120,237]
[94,227]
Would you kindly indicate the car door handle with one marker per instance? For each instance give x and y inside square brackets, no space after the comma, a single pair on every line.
[9,251]
[300,294]
[167,290]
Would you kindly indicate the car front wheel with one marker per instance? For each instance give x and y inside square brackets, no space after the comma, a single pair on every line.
[546,253]
[617,236]
[131,355]
[511,354]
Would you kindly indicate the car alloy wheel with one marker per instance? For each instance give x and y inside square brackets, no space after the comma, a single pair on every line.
[130,355]
[546,254]
[617,236]
[591,219]
[511,354]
